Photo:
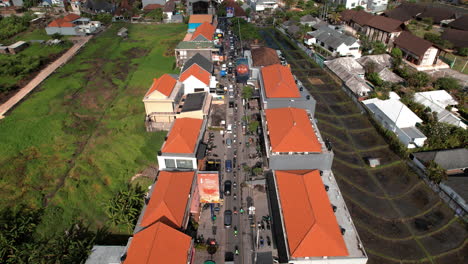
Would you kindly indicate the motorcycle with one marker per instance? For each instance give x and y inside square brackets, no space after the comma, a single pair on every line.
[235,231]
[236,249]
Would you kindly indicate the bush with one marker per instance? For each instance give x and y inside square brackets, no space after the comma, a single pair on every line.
[12,25]
[391,139]
[436,39]
[419,79]
[462,52]
[447,83]
[374,78]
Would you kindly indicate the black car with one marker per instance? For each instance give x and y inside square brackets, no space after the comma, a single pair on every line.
[234,163]
[227,218]
[227,188]
[231,104]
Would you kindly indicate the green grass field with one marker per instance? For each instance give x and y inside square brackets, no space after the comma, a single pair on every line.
[77,140]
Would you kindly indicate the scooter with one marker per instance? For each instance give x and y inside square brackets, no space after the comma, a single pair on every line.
[236,250]
[235,231]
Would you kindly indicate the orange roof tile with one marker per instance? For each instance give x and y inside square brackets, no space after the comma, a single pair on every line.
[165,85]
[159,243]
[200,19]
[183,136]
[71,17]
[311,226]
[60,22]
[206,30]
[169,199]
[290,130]
[198,72]
[279,82]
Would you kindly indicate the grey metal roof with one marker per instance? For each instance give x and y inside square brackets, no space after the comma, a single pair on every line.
[447,159]
[413,132]
[331,37]
[194,102]
[201,61]
[195,45]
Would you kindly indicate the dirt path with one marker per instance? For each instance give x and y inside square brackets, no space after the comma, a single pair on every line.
[78,43]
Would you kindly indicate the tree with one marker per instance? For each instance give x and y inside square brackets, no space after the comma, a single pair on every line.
[289,3]
[334,17]
[257,171]
[435,172]
[462,51]
[124,208]
[247,92]
[221,12]
[447,83]
[419,79]
[378,48]
[340,8]
[374,78]
[156,14]
[397,56]
[253,126]
[248,11]
[57,36]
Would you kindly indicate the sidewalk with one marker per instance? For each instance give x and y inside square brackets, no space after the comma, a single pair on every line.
[78,43]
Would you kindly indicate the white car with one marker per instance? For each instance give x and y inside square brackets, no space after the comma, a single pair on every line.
[223,67]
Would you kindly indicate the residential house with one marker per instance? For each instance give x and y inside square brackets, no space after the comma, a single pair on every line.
[260,57]
[196,21]
[293,30]
[72,24]
[152,2]
[377,6]
[204,32]
[169,10]
[100,6]
[280,89]
[382,65]
[398,118]
[459,38]
[357,20]
[337,43]
[383,29]
[55,3]
[309,20]
[408,11]
[460,23]
[262,5]
[419,53]
[17,2]
[200,7]
[238,10]
[438,101]
[195,105]
[350,4]
[169,200]
[292,140]
[351,73]
[197,79]
[201,61]
[312,220]
[182,148]
[161,100]
[455,163]
[159,243]
[151,7]
[187,49]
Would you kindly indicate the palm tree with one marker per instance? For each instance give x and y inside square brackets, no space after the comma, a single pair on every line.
[334,17]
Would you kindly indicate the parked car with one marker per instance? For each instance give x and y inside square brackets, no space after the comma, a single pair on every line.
[227,218]
[227,188]
[228,165]
[228,142]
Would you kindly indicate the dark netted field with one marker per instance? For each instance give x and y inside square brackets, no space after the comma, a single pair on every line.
[399,219]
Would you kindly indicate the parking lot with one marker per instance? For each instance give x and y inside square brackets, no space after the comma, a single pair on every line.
[399,219]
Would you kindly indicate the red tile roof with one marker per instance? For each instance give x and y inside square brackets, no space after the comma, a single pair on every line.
[159,243]
[164,84]
[183,136]
[65,21]
[311,226]
[206,30]
[279,82]
[200,19]
[71,17]
[169,199]
[290,130]
[198,72]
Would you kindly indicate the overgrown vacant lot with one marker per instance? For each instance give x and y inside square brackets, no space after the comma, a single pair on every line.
[80,137]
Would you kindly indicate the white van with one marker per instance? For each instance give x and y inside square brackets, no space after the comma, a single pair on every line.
[229,128]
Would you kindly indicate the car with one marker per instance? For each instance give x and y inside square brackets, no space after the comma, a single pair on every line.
[227,218]
[228,142]
[228,165]
[227,188]
[231,94]
[223,67]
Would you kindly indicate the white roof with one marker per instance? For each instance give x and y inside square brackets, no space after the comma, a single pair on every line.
[439,97]
[396,111]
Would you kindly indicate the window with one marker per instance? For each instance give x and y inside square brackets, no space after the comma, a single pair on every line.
[199,89]
[354,48]
[170,163]
[184,164]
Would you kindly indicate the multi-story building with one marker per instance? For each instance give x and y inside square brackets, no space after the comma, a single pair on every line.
[182,147]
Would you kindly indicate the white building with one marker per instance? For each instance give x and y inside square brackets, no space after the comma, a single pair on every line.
[179,150]
[336,42]
[262,5]
[373,6]
[197,79]
[350,4]
[437,101]
[398,118]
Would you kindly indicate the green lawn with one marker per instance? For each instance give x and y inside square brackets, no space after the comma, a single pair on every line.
[22,61]
[80,137]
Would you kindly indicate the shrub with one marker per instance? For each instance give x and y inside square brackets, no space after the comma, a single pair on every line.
[374,78]
[447,83]
[419,79]
[462,52]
